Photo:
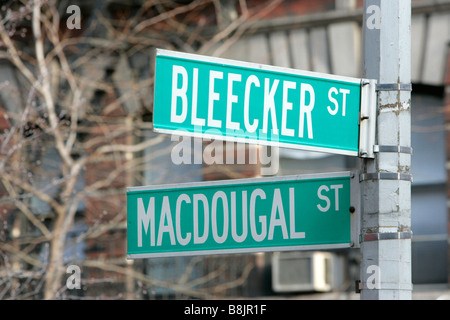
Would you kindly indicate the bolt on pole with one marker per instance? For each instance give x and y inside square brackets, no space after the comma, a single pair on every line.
[385,268]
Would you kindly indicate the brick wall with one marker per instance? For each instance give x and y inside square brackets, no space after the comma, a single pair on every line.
[105,214]
[238,162]
[5,208]
[298,7]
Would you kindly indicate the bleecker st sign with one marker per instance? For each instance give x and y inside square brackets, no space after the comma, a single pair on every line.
[245,102]
[247,215]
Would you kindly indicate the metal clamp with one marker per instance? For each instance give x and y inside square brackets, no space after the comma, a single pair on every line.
[385,176]
[393,87]
[397,149]
[386,236]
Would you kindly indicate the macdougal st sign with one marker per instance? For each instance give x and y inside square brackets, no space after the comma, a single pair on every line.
[245,215]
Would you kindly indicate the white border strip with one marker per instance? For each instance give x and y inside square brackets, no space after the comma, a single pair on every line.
[368,118]
[234,251]
[355,202]
[263,67]
[231,182]
[255,141]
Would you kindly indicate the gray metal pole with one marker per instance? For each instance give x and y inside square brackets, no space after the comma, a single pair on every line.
[386,179]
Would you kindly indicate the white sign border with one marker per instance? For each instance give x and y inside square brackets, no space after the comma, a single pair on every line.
[354,217]
[257,66]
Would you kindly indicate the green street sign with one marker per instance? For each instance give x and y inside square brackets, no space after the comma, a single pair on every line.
[245,102]
[302,212]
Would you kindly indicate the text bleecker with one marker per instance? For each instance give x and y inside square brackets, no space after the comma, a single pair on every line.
[306,102]
[240,216]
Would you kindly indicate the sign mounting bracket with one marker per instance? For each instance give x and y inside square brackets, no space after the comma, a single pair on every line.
[367,119]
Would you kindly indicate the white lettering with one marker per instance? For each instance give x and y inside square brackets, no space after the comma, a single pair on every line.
[322,197]
[249,127]
[224,209]
[195,121]
[74,281]
[344,99]
[181,240]
[197,238]
[223,237]
[269,105]
[179,93]
[293,234]
[333,112]
[373,281]
[373,21]
[74,21]
[336,188]
[334,91]
[231,98]
[277,206]
[305,109]
[213,152]
[163,226]
[181,152]
[145,217]
[285,107]
[213,96]
[243,236]
[262,219]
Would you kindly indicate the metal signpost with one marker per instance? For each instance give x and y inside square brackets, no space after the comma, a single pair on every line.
[386,180]
[246,102]
[302,212]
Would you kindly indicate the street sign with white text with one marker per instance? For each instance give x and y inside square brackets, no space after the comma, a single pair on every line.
[302,212]
[246,102]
